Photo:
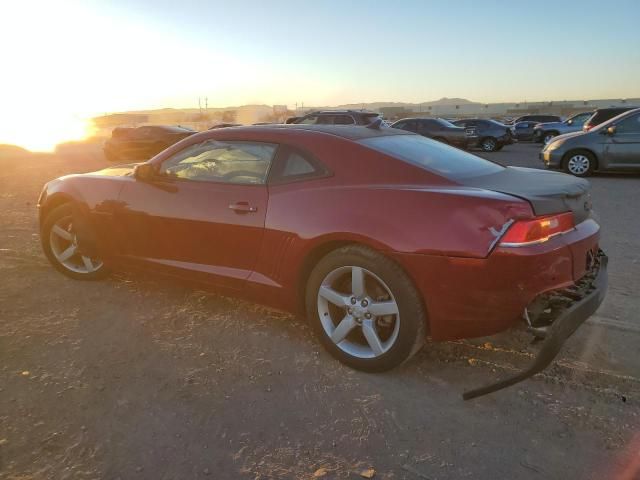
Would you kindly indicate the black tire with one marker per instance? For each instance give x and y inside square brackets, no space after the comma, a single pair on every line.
[572,159]
[58,213]
[412,330]
[546,137]
[488,144]
[441,140]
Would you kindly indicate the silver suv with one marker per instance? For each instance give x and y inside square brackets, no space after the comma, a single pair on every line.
[544,132]
[612,145]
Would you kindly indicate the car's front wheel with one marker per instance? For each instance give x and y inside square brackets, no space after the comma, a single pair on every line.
[579,163]
[548,136]
[489,144]
[60,244]
[365,310]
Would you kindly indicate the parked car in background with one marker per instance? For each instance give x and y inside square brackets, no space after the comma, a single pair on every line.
[336,117]
[380,236]
[142,143]
[602,115]
[544,132]
[538,118]
[491,135]
[523,131]
[611,146]
[439,129]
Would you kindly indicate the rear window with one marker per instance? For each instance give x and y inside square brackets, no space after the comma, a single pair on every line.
[433,156]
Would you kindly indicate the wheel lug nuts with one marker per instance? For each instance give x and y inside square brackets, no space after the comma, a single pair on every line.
[364,303]
[349,311]
[353,300]
[367,315]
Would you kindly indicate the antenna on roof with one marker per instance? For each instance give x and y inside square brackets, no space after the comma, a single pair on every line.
[376,124]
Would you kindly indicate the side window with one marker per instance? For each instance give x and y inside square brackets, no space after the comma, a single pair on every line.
[427,126]
[220,161]
[409,126]
[629,125]
[144,132]
[310,120]
[293,164]
[343,120]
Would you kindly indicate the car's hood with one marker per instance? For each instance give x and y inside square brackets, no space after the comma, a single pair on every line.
[547,192]
[566,136]
[123,170]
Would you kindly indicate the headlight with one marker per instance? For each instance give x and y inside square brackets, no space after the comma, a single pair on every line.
[552,146]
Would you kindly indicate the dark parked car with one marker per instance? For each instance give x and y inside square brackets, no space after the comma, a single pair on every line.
[523,130]
[142,143]
[383,237]
[336,117]
[602,115]
[439,129]
[491,135]
[544,132]
[538,118]
[612,145]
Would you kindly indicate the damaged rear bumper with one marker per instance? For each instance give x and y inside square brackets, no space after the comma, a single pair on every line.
[570,307]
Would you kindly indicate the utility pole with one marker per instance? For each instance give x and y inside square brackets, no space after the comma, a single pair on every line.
[199,106]
[206,103]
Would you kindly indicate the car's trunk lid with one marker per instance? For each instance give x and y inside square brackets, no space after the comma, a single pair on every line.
[547,192]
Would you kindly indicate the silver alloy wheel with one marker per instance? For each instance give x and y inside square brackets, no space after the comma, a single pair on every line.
[489,145]
[548,137]
[358,312]
[64,246]
[578,164]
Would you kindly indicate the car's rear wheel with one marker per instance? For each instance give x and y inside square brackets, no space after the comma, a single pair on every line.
[579,163]
[365,309]
[489,144]
[60,245]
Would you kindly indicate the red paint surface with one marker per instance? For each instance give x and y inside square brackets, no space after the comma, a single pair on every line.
[437,230]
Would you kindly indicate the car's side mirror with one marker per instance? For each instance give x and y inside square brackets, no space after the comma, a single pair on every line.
[145,172]
[611,130]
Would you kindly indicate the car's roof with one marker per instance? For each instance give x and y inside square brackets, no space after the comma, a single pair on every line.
[351,132]
[613,109]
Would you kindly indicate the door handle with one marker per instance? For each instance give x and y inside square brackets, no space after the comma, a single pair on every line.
[243,207]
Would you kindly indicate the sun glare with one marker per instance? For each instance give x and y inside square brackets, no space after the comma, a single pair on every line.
[43,134]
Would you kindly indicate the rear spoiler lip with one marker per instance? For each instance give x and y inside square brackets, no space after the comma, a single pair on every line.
[561,329]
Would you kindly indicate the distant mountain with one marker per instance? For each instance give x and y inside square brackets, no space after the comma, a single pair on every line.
[379,105]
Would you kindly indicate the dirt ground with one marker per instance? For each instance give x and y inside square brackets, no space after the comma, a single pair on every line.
[135,377]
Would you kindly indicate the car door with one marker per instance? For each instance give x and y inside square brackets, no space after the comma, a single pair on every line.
[623,147]
[201,215]
[138,143]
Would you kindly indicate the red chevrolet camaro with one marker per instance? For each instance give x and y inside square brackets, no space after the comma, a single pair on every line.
[382,237]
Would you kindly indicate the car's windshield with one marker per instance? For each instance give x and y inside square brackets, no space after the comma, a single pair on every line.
[444,122]
[436,157]
[578,118]
[615,119]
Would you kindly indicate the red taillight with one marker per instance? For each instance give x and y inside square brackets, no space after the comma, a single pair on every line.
[538,230]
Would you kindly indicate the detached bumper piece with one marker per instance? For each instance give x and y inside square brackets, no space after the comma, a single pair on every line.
[558,316]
